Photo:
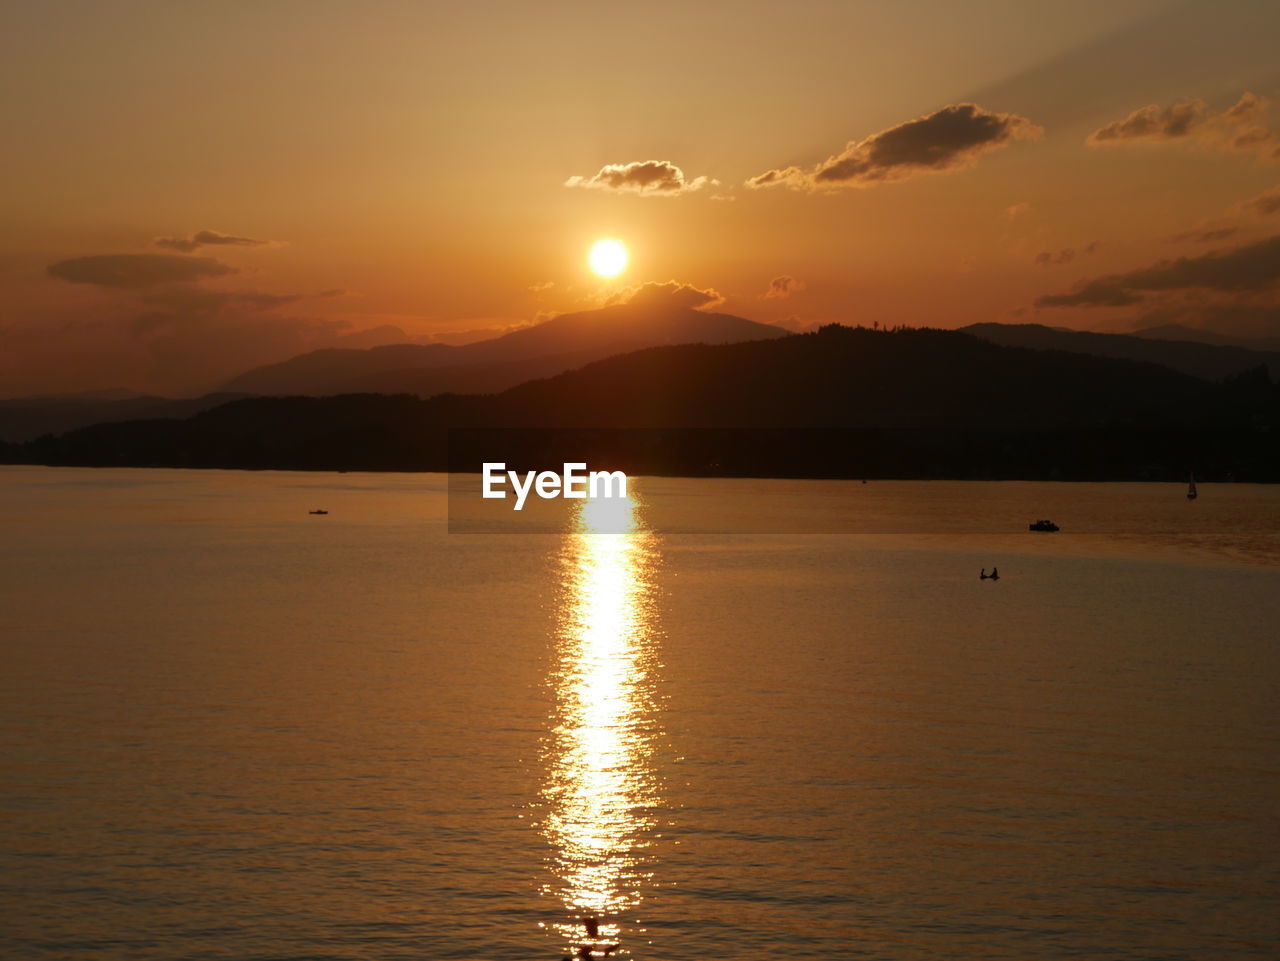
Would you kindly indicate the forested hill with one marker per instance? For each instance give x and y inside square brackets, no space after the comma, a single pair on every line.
[924,403]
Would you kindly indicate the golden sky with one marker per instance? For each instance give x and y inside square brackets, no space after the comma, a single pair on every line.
[327,169]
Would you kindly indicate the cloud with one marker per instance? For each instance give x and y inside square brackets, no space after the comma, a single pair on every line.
[209,238]
[1248,109]
[1017,210]
[648,178]
[782,177]
[1245,269]
[133,271]
[1094,293]
[1205,235]
[1153,123]
[1238,128]
[947,139]
[1211,231]
[783,286]
[671,294]
[185,304]
[1265,204]
[1052,258]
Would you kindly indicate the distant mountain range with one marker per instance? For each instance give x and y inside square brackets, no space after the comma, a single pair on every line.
[838,402]
[24,418]
[483,367]
[1201,336]
[1156,345]
[487,366]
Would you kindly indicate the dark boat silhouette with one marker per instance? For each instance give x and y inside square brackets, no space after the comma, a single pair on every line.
[317,512]
[1043,525]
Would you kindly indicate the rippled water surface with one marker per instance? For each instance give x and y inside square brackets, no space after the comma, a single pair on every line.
[234,730]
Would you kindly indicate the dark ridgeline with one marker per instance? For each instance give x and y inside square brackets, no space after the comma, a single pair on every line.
[25,418]
[424,370]
[841,402]
[1169,346]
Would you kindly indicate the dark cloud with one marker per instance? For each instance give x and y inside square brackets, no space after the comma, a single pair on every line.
[1266,203]
[1245,269]
[186,303]
[1054,258]
[1251,138]
[209,238]
[133,271]
[783,286]
[1238,128]
[947,139]
[651,178]
[1250,108]
[1094,293]
[1206,235]
[1153,123]
[671,294]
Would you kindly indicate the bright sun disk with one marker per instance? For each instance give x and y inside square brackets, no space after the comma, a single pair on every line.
[608,258]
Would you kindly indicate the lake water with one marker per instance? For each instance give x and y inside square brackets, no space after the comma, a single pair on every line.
[233,730]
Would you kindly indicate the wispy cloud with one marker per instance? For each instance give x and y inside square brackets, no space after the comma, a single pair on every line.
[133,271]
[210,238]
[947,139]
[1239,128]
[783,286]
[1265,204]
[1205,235]
[1056,258]
[1249,268]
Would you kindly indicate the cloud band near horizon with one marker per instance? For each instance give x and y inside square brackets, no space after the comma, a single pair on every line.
[1249,268]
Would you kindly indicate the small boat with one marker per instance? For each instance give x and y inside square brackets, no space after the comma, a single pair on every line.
[1043,525]
[317,512]
[1191,488]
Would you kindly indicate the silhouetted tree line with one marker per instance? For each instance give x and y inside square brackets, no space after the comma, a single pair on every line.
[839,402]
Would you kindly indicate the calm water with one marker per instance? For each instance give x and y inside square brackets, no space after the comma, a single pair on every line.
[231,730]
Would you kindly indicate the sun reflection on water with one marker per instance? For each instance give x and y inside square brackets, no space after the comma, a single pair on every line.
[600,790]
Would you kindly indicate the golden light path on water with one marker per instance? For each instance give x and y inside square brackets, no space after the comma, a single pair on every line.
[600,790]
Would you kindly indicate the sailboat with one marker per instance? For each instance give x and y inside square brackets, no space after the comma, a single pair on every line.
[1191,488]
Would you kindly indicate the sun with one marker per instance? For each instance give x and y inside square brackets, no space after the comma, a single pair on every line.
[608,258]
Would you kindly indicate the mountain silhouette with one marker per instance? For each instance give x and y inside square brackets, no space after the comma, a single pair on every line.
[1201,336]
[1211,359]
[837,402]
[550,347]
[24,418]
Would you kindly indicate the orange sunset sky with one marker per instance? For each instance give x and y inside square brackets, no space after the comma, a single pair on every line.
[192,189]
